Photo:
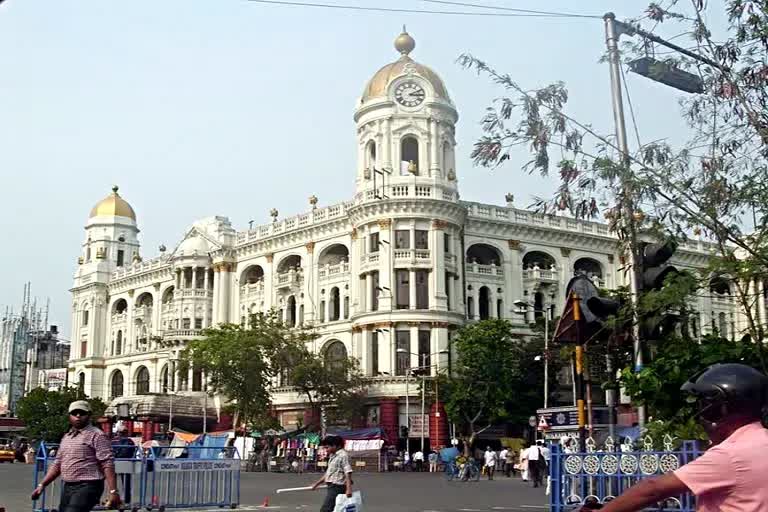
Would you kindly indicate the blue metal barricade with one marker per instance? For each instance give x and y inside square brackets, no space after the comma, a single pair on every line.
[601,475]
[159,478]
[193,477]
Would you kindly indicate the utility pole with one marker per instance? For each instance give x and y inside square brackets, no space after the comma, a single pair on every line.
[627,204]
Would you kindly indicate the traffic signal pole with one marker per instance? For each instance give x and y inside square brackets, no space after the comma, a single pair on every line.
[578,376]
[627,204]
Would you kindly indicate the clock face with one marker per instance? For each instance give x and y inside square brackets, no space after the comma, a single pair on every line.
[409,94]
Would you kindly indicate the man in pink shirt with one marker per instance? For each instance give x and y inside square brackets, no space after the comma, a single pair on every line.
[731,475]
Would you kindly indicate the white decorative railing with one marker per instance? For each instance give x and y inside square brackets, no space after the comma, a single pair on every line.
[540,274]
[256,288]
[142,311]
[333,270]
[289,278]
[373,257]
[412,255]
[486,270]
[303,220]
[140,267]
[119,318]
[173,333]
[193,292]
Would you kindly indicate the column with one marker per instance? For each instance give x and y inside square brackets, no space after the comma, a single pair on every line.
[438,298]
[225,297]
[386,278]
[269,280]
[458,282]
[412,289]
[387,147]
[178,279]
[361,345]
[354,276]
[492,303]
[216,288]
[206,311]
[194,277]
[311,286]
[761,302]
[413,346]
[386,342]
[513,279]
[434,145]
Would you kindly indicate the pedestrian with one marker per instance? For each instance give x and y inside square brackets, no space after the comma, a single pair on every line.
[535,464]
[407,461]
[510,463]
[503,460]
[123,447]
[432,458]
[338,475]
[524,464]
[490,462]
[84,461]
[418,460]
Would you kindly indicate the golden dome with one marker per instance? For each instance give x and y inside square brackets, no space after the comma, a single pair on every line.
[113,206]
[404,44]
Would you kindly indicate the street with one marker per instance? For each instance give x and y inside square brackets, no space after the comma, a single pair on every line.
[382,492]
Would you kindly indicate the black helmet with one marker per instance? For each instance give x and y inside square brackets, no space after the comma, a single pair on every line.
[724,390]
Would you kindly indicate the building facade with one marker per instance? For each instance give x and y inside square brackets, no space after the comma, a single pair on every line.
[385,277]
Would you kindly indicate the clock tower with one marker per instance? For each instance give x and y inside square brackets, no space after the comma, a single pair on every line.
[405,128]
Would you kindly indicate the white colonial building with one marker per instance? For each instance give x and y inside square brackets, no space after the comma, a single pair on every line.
[385,277]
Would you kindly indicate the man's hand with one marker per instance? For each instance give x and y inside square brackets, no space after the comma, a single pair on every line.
[37,492]
[113,501]
[349,493]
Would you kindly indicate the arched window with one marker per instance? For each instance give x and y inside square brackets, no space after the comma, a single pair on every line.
[119,343]
[484,302]
[538,305]
[145,300]
[321,313]
[447,158]
[119,306]
[335,355]
[116,385]
[81,383]
[168,295]
[346,307]
[333,255]
[288,263]
[142,381]
[538,259]
[252,275]
[334,305]
[409,156]
[719,285]
[590,268]
[164,382]
[370,155]
[483,254]
[290,312]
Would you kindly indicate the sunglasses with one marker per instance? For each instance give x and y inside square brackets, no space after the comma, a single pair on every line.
[79,413]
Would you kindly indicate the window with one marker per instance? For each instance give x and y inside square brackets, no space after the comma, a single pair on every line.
[722,325]
[164,382]
[402,279]
[374,353]
[197,380]
[335,355]
[81,382]
[198,323]
[291,312]
[301,314]
[695,325]
[142,381]
[421,239]
[321,313]
[334,305]
[119,343]
[375,290]
[446,243]
[402,352]
[88,254]
[85,317]
[470,308]
[186,323]
[116,386]
[448,290]
[373,238]
[422,289]
[484,303]
[346,307]
[83,348]
[409,156]
[402,239]
[425,359]
[370,153]
[499,309]
[120,257]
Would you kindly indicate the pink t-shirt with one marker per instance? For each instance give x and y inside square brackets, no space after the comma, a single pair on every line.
[732,476]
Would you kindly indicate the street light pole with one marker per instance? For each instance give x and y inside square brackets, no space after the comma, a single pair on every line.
[612,40]
[423,385]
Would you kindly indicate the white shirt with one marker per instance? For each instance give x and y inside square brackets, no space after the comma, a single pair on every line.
[546,453]
[490,458]
[418,456]
[503,454]
[532,453]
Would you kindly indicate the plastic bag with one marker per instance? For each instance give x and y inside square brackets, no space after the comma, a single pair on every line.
[353,504]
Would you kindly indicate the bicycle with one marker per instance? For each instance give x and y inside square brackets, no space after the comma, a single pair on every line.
[465,471]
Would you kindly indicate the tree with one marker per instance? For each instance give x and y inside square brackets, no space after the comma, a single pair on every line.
[713,186]
[494,378]
[247,363]
[46,413]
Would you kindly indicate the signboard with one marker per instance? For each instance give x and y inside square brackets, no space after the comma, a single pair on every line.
[52,380]
[417,425]
[197,465]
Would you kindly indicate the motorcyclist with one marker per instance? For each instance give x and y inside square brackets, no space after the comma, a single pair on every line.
[731,475]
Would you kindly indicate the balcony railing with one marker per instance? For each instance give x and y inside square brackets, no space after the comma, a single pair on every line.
[193,292]
[485,270]
[290,278]
[252,289]
[411,255]
[540,274]
[182,333]
[328,271]
[119,318]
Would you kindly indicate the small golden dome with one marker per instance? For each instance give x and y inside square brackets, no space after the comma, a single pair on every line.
[378,86]
[113,206]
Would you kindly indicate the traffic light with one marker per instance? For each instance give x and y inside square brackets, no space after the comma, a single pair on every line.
[658,321]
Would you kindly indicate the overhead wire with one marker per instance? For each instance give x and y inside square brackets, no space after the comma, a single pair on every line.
[419,11]
[512,9]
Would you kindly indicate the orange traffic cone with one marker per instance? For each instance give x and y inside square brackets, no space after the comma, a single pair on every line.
[266,501]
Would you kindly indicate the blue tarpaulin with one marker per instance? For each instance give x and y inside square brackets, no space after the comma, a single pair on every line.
[449,454]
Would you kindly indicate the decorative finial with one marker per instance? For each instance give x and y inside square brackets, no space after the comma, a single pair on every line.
[162,248]
[115,188]
[404,43]
[313,201]
[273,213]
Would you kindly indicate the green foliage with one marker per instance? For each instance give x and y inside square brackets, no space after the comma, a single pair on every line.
[495,377]
[45,413]
[247,363]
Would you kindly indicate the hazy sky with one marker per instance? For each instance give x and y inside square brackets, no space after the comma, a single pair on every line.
[229,107]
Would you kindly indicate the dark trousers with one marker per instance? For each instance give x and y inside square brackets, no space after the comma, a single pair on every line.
[81,496]
[127,480]
[536,468]
[333,490]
